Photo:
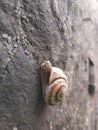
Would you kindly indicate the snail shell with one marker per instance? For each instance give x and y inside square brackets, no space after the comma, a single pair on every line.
[54,83]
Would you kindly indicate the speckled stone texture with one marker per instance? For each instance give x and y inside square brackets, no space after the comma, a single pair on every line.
[32,31]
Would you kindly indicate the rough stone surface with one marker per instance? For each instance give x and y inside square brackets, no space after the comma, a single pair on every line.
[62,31]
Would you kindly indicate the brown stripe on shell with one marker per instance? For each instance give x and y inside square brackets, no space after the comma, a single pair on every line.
[57,93]
[56,84]
[54,90]
[57,79]
[51,92]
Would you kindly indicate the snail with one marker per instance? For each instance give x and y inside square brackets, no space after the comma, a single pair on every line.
[54,83]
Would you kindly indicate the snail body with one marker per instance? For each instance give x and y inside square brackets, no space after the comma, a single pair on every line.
[54,83]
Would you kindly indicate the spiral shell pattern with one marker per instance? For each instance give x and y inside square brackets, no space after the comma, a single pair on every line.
[55,92]
[56,87]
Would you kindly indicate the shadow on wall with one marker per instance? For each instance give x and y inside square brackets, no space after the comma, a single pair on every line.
[91,86]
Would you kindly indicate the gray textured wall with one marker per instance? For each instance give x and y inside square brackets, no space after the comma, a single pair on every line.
[31,31]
